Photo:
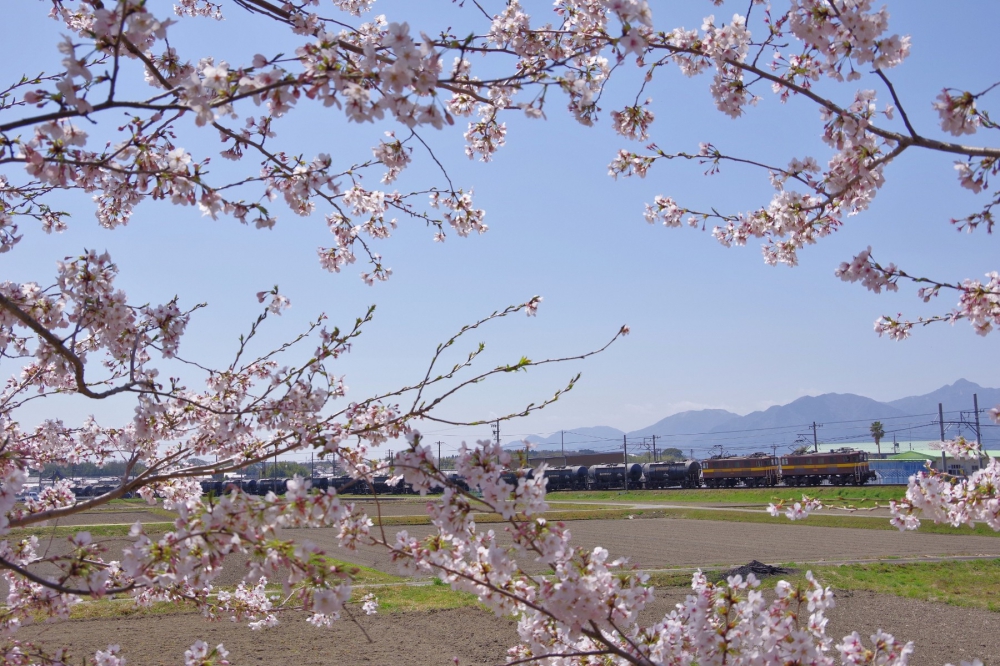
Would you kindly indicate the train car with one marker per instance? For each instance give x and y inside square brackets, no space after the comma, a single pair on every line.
[683,474]
[511,476]
[843,467]
[400,487]
[455,479]
[458,481]
[755,470]
[379,485]
[603,477]
[572,477]
[276,486]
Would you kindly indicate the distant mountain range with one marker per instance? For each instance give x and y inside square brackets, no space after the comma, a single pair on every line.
[839,417]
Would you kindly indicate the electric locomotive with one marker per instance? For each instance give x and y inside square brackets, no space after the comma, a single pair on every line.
[755,470]
[843,467]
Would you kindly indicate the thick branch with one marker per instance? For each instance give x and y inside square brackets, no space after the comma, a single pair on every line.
[60,348]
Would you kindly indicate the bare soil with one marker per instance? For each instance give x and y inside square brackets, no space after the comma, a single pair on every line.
[657,543]
[661,543]
[942,634]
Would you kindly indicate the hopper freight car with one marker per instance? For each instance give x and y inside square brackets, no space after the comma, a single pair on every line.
[841,467]
[758,469]
[573,477]
[685,474]
[602,477]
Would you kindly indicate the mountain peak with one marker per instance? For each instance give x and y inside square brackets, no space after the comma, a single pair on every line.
[838,418]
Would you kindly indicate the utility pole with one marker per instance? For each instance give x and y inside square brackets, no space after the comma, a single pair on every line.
[654,448]
[816,441]
[944,458]
[496,431]
[979,435]
[975,406]
[625,450]
[439,454]
[312,464]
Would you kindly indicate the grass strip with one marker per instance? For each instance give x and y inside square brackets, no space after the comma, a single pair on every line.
[968,583]
[105,531]
[367,575]
[417,598]
[392,598]
[486,518]
[815,520]
[112,609]
[971,583]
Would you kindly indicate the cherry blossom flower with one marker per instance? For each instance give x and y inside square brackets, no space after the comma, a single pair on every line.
[83,338]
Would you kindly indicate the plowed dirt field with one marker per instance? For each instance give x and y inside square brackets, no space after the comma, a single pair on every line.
[942,634]
[661,543]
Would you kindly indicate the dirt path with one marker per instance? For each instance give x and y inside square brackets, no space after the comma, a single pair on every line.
[942,633]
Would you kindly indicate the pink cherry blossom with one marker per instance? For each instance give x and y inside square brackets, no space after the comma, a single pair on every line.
[131,117]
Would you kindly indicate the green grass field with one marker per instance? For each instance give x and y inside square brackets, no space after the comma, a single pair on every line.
[973,584]
[823,519]
[830,519]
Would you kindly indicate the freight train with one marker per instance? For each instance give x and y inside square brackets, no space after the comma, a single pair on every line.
[758,470]
[380,485]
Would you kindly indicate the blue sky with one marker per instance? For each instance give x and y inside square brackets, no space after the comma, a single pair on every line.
[711,327]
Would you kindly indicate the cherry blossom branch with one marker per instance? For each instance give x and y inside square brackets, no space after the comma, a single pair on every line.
[57,345]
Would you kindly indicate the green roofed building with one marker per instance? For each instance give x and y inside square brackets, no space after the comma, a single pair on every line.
[913,455]
[954,466]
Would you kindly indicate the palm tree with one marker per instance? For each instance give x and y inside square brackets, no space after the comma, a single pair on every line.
[878,432]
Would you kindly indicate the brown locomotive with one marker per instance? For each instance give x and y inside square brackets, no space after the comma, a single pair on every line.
[758,469]
[843,467]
